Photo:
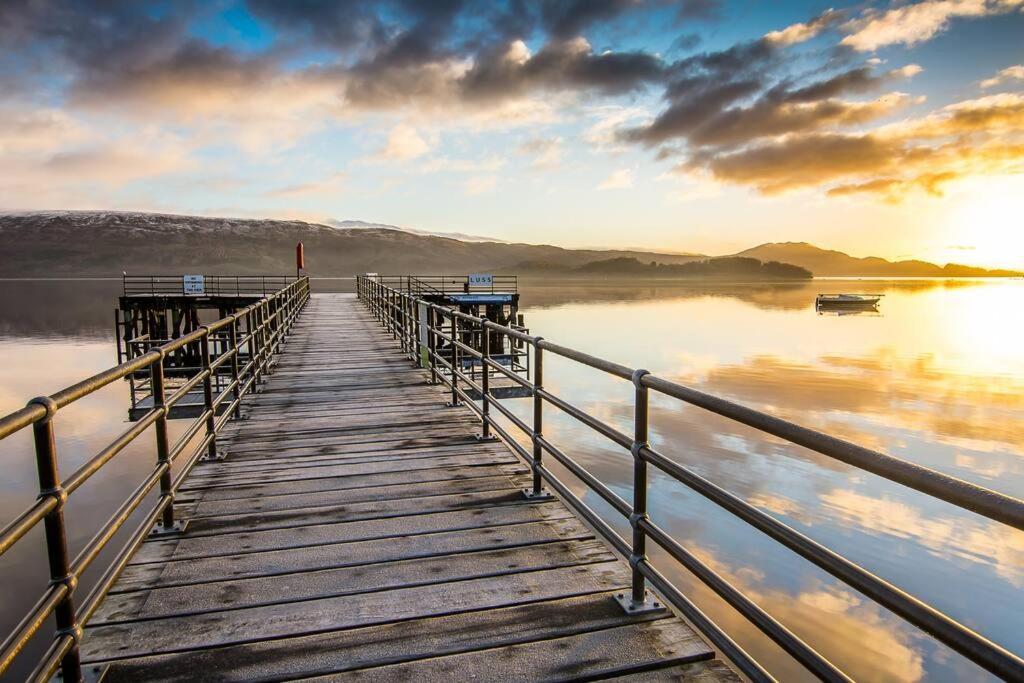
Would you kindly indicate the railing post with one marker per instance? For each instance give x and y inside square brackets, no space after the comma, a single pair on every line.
[538,490]
[235,374]
[639,600]
[432,343]
[411,329]
[485,383]
[211,418]
[166,525]
[250,331]
[403,320]
[56,536]
[454,360]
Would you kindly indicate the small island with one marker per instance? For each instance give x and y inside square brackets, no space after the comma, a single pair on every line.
[726,268]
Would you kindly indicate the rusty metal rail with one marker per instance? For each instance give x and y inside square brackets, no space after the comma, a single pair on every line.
[447,329]
[214,285]
[266,323]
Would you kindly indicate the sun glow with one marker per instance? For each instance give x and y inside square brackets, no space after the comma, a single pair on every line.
[986,225]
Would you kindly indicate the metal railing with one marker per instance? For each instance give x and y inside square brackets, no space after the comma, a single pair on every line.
[213,285]
[260,329]
[400,313]
[420,285]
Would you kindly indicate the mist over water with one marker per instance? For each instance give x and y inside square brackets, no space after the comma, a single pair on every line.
[936,376]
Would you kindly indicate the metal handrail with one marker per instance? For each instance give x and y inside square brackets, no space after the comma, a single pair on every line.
[400,312]
[215,285]
[265,322]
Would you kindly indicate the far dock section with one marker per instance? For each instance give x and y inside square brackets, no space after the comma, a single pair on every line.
[358,529]
[156,309]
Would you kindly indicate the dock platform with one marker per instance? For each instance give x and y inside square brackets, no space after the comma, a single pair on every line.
[357,529]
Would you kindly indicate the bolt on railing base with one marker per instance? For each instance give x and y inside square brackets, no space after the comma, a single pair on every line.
[221,455]
[543,494]
[90,674]
[449,404]
[160,531]
[650,604]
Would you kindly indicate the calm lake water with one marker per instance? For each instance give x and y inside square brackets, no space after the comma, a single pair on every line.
[936,377]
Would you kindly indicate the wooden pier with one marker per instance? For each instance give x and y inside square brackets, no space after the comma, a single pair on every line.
[358,529]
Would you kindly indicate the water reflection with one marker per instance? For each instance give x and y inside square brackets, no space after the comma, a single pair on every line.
[936,378]
[538,293]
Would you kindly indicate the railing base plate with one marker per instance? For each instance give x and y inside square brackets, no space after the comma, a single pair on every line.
[485,439]
[90,674]
[543,494]
[648,606]
[176,529]
[220,456]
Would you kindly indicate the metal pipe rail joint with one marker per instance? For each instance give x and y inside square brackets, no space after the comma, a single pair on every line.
[398,310]
[266,323]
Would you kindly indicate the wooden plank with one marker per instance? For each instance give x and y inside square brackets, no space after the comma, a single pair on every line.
[352,483]
[380,645]
[251,592]
[330,514]
[256,505]
[188,548]
[712,671]
[311,558]
[608,652]
[181,634]
[276,462]
[347,470]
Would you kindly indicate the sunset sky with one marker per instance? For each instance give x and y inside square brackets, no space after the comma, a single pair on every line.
[890,129]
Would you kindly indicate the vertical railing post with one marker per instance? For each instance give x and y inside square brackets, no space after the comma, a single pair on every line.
[211,418]
[454,331]
[638,599]
[411,328]
[538,490]
[485,382]
[235,374]
[432,343]
[403,320]
[167,525]
[56,536]
[251,343]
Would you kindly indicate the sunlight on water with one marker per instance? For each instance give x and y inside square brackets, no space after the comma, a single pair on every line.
[935,377]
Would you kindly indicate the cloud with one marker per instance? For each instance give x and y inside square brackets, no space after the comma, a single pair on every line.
[480,185]
[546,152]
[404,143]
[332,184]
[619,180]
[1010,73]
[917,22]
[798,33]
[710,120]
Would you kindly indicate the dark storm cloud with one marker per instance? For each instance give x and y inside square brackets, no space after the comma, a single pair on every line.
[705,109]
[567,64]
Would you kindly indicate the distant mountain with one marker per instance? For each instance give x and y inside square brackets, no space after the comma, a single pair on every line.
[461,236]
[830,263]
[104,243]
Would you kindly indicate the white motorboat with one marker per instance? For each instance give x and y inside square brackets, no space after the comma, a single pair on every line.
[847,300]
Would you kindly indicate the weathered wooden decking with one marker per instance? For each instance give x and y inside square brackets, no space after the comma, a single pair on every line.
[358,530]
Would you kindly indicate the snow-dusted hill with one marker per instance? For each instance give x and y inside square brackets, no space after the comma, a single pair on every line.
[98,243]
[461,236]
